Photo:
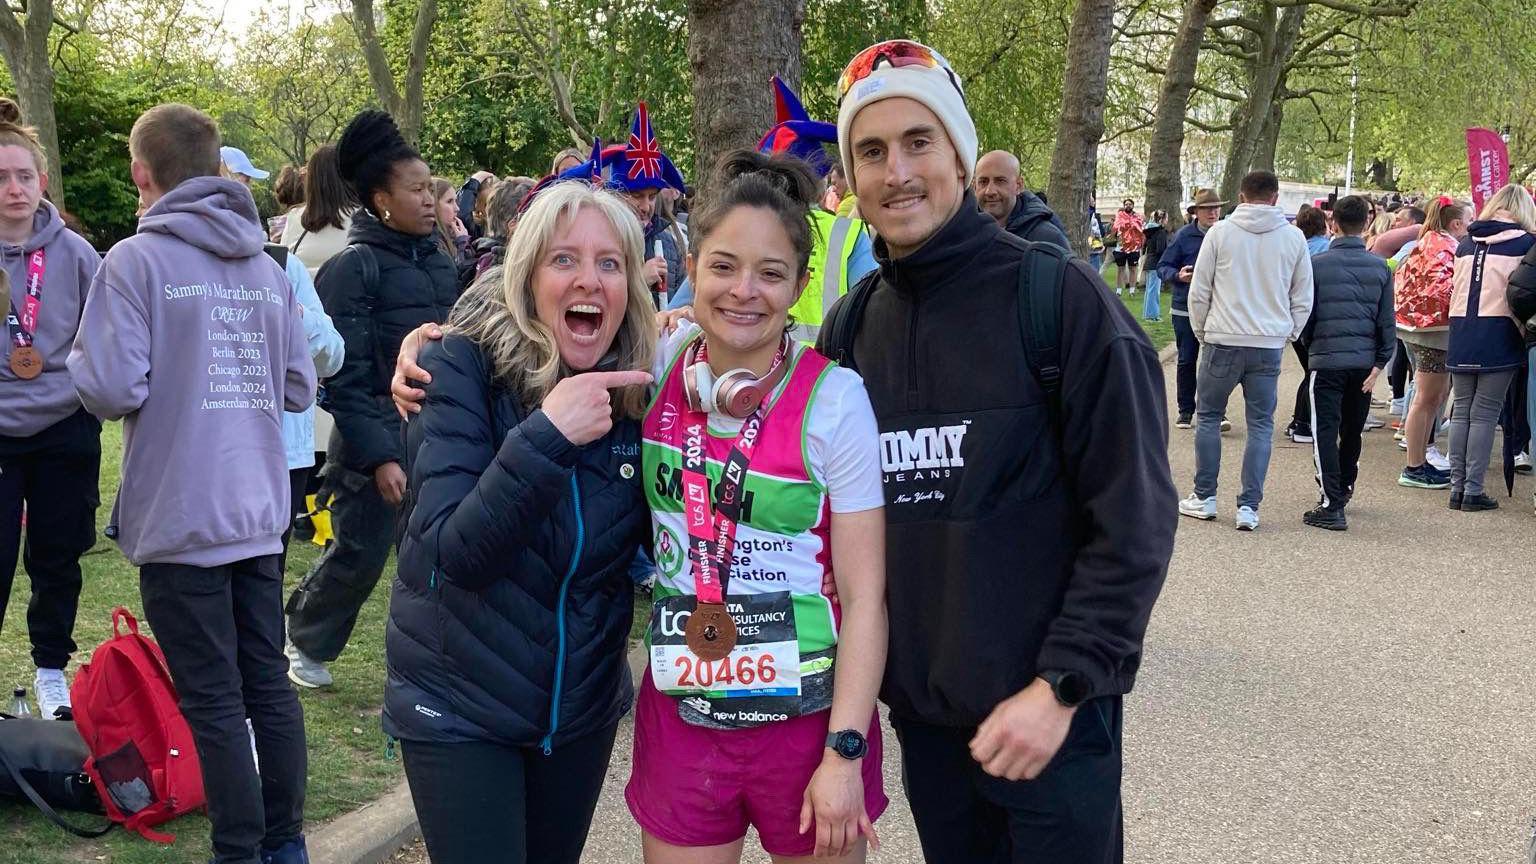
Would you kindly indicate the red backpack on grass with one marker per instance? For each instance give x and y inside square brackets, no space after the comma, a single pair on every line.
[143,760]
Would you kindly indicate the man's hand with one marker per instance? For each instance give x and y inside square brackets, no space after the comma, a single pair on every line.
[391,482]
[581,407]
[408,399]
[1370,380]
[1186,273]
[834,800]
[1022,734]
[655,270]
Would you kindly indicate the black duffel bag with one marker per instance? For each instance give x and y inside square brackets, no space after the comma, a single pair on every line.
[43,761]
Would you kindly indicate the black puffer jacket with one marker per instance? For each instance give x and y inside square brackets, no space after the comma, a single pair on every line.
[1522,294]
[511,607]
[1352,324]
[416,284]
[1036,222]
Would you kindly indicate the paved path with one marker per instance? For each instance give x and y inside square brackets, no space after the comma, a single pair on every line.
[1308,696]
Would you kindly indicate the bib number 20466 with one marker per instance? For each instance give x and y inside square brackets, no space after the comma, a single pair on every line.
[765,661]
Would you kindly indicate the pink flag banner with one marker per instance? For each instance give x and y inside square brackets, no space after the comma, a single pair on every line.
[1488,162]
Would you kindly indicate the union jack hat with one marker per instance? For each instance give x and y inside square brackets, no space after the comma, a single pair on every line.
[638,164]
[795,133]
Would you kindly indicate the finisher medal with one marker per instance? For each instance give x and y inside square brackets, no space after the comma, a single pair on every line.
[711,632]
[26,362]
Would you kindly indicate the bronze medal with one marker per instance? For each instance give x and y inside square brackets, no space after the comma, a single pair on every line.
[26,362]
[710,632]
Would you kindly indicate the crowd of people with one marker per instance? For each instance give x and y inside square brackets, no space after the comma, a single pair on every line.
[771,407]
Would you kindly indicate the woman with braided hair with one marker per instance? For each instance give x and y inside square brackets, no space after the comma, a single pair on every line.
[391,278]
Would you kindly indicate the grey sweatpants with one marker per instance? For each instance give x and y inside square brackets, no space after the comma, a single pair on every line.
[1476,400]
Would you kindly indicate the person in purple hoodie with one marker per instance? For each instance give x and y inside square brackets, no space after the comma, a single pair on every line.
[50,447]
[193,336]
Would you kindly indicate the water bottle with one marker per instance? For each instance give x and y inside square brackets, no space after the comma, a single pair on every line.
[19,706]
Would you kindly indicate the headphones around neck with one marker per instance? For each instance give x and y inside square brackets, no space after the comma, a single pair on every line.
[737,393]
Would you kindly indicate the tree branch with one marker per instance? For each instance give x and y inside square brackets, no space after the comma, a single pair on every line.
[1363,10]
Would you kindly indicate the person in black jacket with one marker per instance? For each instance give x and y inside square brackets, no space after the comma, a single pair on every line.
[1027,541]
[1350,338]
[1001,194]
[511,606]
[390,279]
[1521,294]
[1156,245]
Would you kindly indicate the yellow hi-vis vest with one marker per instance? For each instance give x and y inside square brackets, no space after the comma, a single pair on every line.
[834,238]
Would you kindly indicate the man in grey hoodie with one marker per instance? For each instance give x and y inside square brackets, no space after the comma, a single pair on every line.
[193,336]
[1251,294]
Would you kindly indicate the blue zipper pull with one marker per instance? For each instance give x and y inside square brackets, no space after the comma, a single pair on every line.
[432,580]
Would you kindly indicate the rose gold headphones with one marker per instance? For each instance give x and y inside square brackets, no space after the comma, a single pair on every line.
[736,393]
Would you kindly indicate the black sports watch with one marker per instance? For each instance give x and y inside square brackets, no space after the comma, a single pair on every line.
[1070,688]
[848,744]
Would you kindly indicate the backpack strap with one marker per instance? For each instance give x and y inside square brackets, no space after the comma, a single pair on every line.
[368,264]
[843,321]
[53,815]
[1040,277]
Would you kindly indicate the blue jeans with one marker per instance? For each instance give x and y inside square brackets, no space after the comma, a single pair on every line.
[1222,369]
[1150,307]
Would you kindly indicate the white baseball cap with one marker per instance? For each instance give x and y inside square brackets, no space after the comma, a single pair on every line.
[239,163]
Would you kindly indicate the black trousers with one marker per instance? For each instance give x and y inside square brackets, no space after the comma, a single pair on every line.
[1397,373]
[1301,416]
[1188,361]
[55,473]
[298,484]
[221,629]
[323,610]
[479,801]
[1070,814]
[1339,409]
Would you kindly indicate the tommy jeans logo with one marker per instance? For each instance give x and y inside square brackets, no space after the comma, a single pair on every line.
[922,449]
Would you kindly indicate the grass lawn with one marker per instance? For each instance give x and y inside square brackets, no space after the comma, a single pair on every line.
[1161,332]
[348,764]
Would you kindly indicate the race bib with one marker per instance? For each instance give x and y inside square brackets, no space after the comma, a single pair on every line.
[758,682]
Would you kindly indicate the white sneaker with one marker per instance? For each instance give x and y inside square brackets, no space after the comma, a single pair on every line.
[1247,519]
[52,692]
[1373,422]
[1433,456]
[1399,407]
[1226,425]
[1523,463]
[1198,508]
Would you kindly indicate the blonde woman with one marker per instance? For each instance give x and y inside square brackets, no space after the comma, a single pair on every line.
[511,608]
[1486,350]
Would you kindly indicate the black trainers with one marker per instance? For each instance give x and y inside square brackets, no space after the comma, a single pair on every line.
[1322,517]
[1184,421]
[1474,503]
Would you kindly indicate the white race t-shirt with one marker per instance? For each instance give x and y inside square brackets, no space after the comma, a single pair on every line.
[843,439]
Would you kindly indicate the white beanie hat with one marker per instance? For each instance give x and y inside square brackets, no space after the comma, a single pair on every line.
[936,88]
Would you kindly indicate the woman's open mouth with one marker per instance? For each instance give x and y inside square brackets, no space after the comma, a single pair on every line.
[584,320]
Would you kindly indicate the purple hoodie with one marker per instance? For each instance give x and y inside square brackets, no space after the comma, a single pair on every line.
[29,407]
[193,335]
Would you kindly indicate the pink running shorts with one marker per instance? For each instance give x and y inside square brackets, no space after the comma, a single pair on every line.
[691,786]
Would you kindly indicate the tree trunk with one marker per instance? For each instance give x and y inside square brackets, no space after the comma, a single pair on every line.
[25,46]
[1269,135]
[1274,48]
[1165,182]
[734,48]
[406,107]
[1074,164]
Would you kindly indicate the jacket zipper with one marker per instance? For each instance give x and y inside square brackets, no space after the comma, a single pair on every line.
[565,586]
[912,389]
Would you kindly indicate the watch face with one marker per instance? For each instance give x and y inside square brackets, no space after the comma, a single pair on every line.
[850,745]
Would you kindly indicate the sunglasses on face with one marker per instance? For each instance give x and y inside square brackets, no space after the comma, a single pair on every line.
[897,53]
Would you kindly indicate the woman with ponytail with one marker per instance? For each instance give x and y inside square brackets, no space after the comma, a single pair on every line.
[391,278]
[50,448]
[1423,290]
[767,638]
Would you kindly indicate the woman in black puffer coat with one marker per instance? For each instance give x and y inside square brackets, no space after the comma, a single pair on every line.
[388,280]
[511,611]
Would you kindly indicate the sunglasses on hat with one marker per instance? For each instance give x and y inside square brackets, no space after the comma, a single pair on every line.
[897,53]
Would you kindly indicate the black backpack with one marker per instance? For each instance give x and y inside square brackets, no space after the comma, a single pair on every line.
[43,761]
[1041,273]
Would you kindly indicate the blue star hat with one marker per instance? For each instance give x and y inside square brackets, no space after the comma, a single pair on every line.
[640,164]
[795,133]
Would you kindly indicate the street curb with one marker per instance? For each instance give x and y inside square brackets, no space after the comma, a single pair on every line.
[368,835]
[1169,351]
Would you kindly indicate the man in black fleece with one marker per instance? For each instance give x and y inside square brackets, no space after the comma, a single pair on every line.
[1025,550]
